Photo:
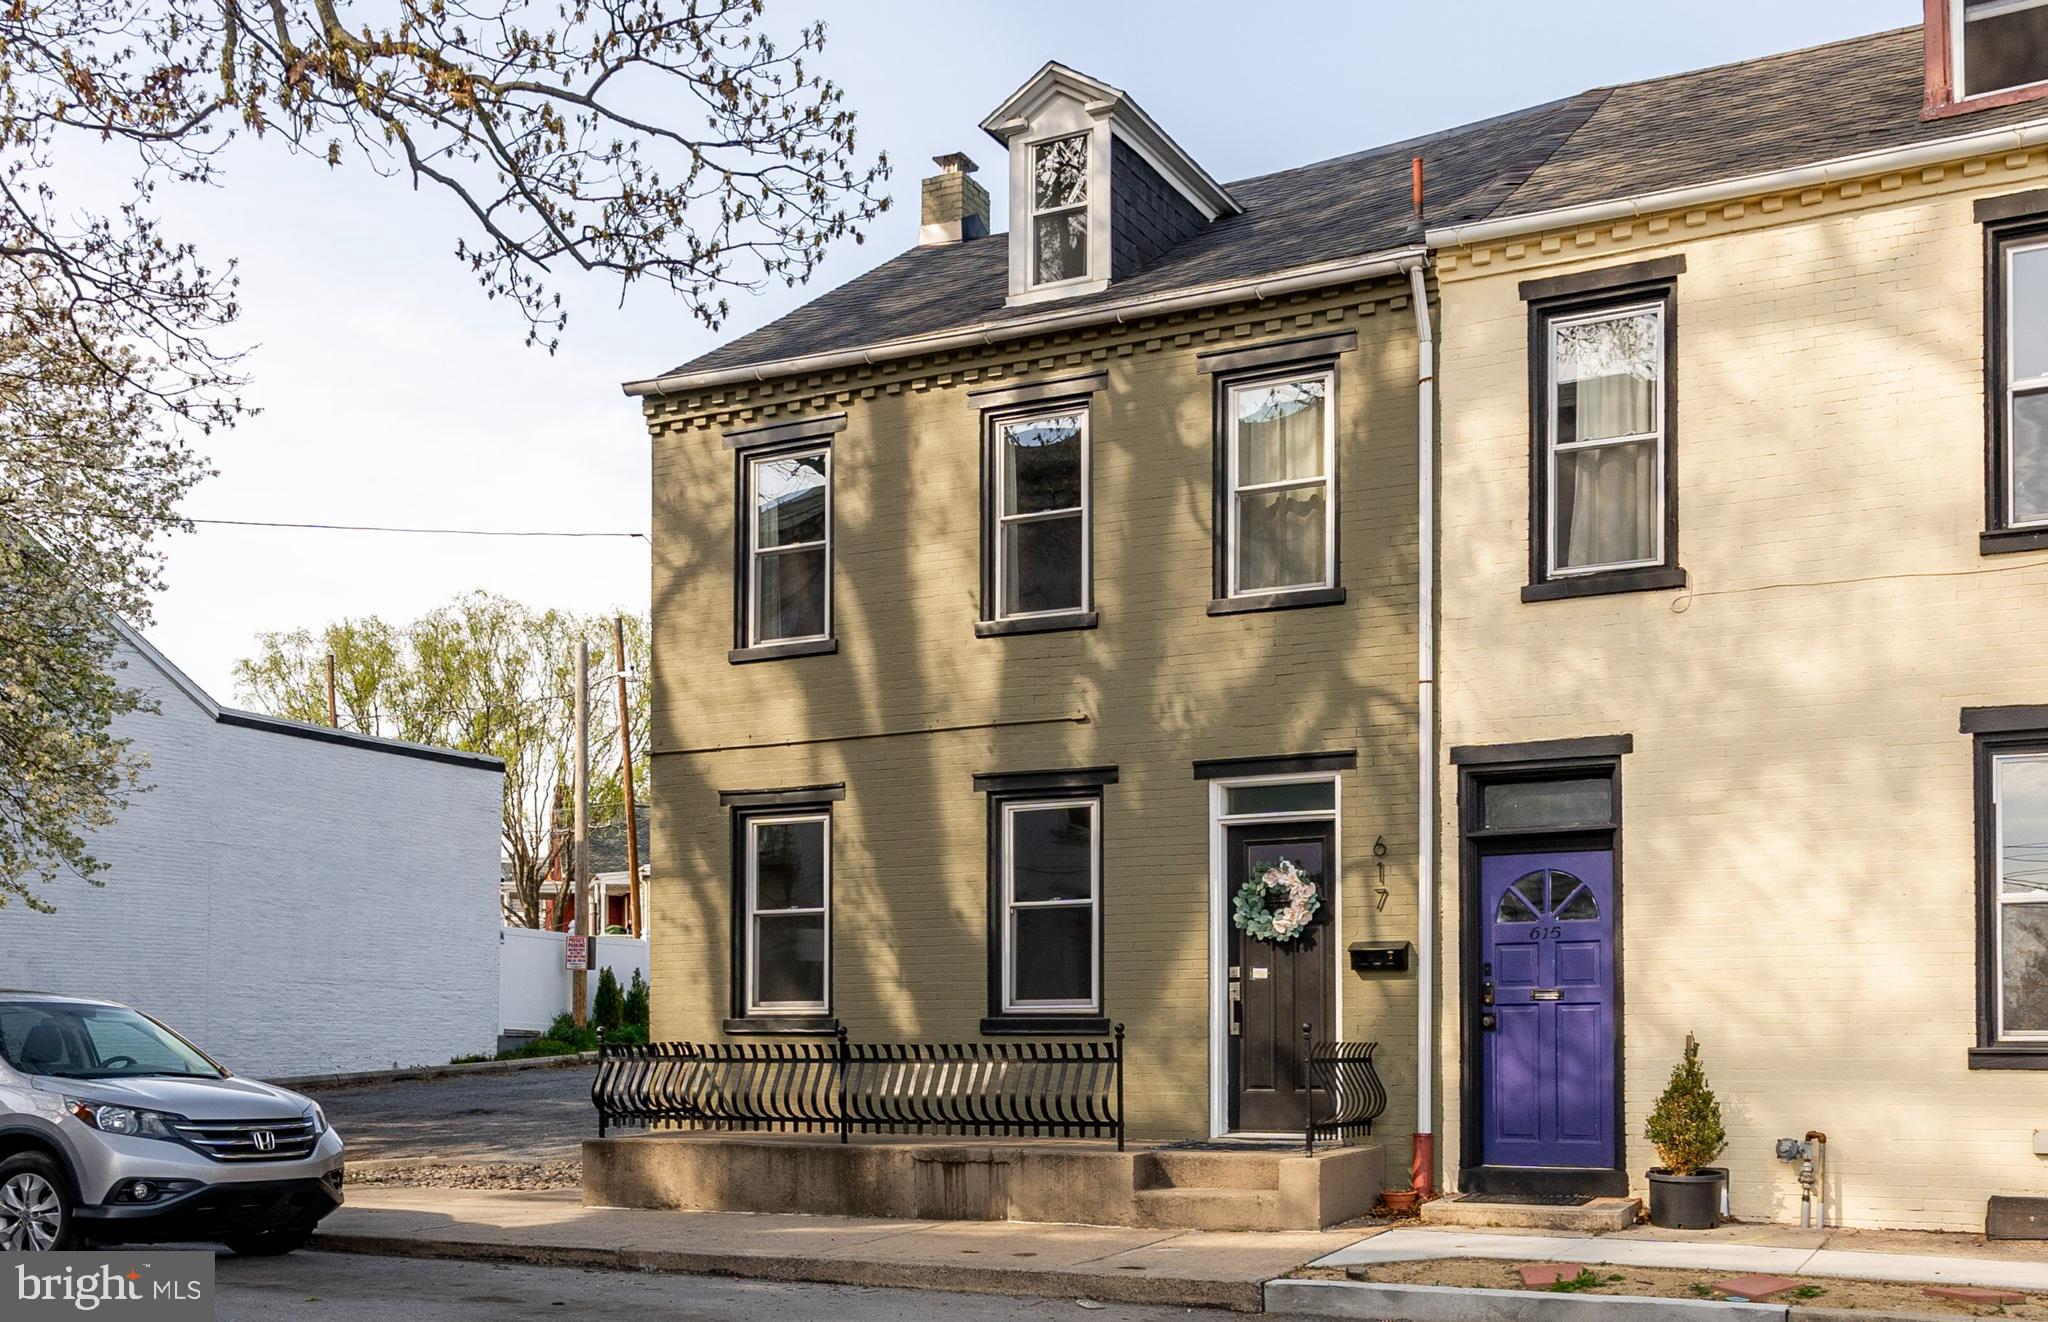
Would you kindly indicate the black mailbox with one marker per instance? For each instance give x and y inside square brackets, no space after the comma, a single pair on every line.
[1366,957]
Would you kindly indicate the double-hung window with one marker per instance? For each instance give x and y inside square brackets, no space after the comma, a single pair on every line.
[1997,45]
[1604,507]
[1059,210]
[1280,512]
[786,871]
[1038,549]
[2016,351]
[2011,747]
[786,547]
[1051,884]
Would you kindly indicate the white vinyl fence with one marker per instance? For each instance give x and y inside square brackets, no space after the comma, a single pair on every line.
[533,987]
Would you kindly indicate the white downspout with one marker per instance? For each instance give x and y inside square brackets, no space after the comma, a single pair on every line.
[1423,1163]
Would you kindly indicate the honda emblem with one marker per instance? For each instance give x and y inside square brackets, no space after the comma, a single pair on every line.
[264,1140]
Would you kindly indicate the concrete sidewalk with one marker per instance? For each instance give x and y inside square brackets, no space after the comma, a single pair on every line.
[1924,1258]
[1119,1265]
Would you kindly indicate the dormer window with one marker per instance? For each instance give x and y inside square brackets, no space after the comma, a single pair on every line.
[2000,45]
[1985,53]
[1098,192]
[1059,210]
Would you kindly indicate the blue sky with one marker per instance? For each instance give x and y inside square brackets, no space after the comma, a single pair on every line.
[393,393]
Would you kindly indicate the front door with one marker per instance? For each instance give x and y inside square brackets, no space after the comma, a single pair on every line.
[1275,988]
[1546,1011]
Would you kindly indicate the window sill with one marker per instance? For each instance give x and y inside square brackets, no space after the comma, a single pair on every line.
[1293,599]
[793,1025]
[2009,1058]
[1045,1025]
[1064,622]
[740,656]
[1606,585]
[2005,541]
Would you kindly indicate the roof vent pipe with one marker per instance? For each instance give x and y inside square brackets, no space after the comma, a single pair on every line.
[955,207]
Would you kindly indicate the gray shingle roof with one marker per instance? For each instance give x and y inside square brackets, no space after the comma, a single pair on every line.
[1862,94]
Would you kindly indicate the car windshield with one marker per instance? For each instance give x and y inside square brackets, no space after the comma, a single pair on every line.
[73,1041]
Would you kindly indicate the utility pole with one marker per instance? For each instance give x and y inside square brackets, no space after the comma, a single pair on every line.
[626,771]
[333,721]
[579,849]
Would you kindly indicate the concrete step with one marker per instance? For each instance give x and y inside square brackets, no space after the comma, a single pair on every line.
[1207,1170]
[1209,1209]
[1595,1218]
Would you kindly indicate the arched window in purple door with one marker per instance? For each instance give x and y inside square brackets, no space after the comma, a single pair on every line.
[1548,893]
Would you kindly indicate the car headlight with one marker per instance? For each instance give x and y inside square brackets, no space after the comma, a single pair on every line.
[319,1119]
[109,1119]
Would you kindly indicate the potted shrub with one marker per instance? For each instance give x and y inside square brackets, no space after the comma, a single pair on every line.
[1685,1128]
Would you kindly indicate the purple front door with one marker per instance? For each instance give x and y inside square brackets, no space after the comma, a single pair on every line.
[1547,1038]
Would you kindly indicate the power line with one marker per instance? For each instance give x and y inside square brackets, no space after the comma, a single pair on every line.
[440,532]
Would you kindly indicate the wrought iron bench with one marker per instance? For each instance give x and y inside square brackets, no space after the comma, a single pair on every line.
[1027,1088]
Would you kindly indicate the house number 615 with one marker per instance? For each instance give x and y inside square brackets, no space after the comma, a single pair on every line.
[1538,933]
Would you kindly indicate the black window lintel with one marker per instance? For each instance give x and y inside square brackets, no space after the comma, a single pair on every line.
[1031,782]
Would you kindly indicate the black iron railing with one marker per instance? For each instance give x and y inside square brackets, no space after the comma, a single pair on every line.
[1030,1089]
[1343,1075]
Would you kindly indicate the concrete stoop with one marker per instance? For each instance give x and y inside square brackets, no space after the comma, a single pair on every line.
[968,1180]
[1599,1217]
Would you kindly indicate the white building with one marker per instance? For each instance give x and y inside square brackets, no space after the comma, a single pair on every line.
[295,899]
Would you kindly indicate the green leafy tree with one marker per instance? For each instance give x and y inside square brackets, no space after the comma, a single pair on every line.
[1685,1124]
[672,141]
[608,1007]
[485,674]
[635,1008]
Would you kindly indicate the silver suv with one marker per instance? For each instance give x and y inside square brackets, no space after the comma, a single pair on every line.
[113,1129]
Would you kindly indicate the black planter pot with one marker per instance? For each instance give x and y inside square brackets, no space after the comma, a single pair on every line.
[1685,1202]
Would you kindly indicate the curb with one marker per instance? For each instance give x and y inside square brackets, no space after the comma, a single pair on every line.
[368,1078]
[1238,1296]
[1444,1303]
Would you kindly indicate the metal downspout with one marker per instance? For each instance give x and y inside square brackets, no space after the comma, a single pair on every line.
[1422,1165]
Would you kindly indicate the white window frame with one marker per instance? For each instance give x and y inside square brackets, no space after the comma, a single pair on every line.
[1008,935]
[754,1005]
[2015,387]
[1958,22]
[2002,900]
[1032,211]
[1552,447]
[756,553]
[1002,522]
[1327,480]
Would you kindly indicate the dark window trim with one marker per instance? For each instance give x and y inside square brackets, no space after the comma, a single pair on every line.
[1036,782]
[796,796]
[740,656]
[1544,760]
[1040,392]
[1219,768]
[776,433]
[743,555]
[1997,731]
[992,623]
[1543,752]
[1086,784]
[1221,486]
[1304,350]
[1604,281]
[1294,599]
[1543,585]
[803,1021]
[782,1026]
[2023,221]
[1064,622]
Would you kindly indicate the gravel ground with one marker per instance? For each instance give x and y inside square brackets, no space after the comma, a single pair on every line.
[554,1173]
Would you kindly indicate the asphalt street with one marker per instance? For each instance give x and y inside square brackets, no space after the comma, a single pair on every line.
[477,1117]
[341,1287]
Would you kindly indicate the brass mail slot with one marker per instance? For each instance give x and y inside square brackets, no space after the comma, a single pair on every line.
[1546,994]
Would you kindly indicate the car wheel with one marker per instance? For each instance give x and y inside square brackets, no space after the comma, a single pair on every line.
[269,1243]
[35,1204]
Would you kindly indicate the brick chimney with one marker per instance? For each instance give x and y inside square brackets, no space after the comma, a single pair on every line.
[955,207]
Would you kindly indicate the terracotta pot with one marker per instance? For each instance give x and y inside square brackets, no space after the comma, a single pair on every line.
[1685,1202]
[1400,1202]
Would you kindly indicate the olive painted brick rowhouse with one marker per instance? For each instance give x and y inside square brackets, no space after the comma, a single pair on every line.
[1018,600]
